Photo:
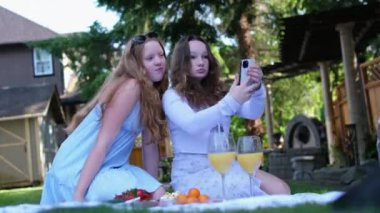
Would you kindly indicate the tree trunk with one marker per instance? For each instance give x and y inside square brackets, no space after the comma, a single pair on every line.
[247,50]
[244,38]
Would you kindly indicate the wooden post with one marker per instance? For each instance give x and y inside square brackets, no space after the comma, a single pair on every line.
[268,116]
[347,48]
[328,110]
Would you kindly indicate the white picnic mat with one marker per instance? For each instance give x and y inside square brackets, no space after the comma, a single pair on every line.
[272,201]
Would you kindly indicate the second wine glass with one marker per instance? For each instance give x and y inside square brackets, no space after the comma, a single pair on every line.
[250,156]
[221,153]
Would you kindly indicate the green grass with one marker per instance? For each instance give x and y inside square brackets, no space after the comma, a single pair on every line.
[309,186]
[32,196]
[21,195]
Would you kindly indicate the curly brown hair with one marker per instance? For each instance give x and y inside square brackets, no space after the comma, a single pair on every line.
[131,66]
[198,94]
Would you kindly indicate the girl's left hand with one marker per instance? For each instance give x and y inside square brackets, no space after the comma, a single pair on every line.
[255,74]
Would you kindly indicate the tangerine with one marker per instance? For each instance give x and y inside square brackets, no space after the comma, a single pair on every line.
[203,198]
[181,199]
[193,192]
[192,200]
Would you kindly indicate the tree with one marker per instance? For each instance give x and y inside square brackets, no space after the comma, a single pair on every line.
[235,28]
[91,55]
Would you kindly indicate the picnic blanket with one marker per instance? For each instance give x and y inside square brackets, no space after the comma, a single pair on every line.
[252,203]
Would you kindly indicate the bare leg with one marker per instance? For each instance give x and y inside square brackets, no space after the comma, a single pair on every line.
[272,184]
[158,193]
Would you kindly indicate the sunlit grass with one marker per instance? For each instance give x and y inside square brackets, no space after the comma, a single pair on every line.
[30,195]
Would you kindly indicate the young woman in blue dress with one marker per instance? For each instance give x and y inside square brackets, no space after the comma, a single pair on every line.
[92,164]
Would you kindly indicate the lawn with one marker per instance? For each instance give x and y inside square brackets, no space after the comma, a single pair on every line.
[32,196]
[20,195]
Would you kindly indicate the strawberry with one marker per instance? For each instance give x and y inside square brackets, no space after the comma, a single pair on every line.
[133,193]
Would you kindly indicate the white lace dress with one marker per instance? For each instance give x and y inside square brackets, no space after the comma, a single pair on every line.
[194,170]
[189,133]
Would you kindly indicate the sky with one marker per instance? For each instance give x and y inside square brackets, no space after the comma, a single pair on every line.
[62,16]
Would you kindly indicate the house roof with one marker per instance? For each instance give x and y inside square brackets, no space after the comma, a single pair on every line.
[30,101]
[17,29]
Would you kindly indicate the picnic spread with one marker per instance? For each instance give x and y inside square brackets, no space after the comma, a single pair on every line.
[250,203]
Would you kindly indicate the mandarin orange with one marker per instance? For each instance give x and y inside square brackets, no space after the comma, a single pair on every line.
[204,198]
[193,192]
[181,199]
[192,200]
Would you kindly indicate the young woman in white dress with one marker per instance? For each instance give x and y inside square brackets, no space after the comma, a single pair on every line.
[194,104]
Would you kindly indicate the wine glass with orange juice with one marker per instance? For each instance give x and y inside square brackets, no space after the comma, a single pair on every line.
[250,156]
[221,153]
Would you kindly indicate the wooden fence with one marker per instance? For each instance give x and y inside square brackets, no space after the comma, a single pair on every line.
[370,72]
[136,157]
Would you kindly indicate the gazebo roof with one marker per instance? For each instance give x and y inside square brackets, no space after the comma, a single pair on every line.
[279,71]
[312,38]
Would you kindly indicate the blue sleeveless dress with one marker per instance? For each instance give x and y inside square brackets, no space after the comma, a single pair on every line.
[115,176]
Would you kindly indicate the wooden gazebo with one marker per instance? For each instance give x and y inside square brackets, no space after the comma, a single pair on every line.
[318,40]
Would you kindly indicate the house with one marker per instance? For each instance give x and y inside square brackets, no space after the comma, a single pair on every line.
[31,115]
[21,65]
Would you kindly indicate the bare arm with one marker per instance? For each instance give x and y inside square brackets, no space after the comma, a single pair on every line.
[150,154]
[114,115]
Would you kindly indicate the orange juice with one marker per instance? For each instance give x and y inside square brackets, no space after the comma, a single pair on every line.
[250,162]
[221,161]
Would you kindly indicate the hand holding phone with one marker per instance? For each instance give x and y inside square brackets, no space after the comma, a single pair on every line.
[244,66]
[248,76]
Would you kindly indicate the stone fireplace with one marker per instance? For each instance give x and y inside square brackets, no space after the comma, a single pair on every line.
[305,140]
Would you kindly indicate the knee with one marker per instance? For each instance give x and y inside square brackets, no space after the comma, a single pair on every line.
[281,188]
[278,187]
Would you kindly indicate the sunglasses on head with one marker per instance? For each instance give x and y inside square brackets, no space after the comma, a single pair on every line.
[139,39]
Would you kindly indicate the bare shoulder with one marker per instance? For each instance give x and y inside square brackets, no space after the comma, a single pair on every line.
[131,85]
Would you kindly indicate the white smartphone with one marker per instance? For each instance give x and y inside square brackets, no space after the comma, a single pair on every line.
[244,64]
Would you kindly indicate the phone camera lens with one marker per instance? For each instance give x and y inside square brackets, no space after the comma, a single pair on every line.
[245,64]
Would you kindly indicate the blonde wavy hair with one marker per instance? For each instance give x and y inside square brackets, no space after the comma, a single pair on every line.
[131,66]
[198,94]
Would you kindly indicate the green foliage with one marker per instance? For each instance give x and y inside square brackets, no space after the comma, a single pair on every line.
[90,54]
[298,95]
[165,170]
[237,127]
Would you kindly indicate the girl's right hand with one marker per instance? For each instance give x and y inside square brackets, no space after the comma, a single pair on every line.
[78,197]
[241,93]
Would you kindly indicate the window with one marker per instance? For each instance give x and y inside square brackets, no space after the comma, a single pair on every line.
[43,62]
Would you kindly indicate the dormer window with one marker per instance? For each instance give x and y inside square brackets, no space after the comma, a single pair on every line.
[43,62]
